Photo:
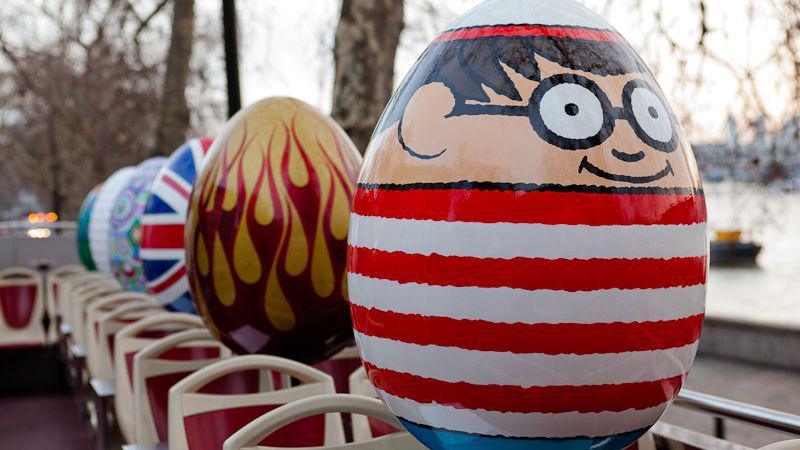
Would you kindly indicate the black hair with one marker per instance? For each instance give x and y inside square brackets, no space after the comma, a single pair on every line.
[465,66]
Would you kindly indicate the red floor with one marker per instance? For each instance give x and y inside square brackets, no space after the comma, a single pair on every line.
[42,423]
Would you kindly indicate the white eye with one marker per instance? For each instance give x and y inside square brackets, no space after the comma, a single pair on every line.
[651,114]
[572,111]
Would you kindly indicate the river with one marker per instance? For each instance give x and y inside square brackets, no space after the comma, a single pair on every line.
[770,292]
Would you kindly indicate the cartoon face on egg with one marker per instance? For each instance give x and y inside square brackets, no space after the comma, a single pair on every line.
[527,247]
[266,232]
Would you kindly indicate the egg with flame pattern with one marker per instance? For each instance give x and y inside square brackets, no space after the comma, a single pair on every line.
[527,248]
[266,232]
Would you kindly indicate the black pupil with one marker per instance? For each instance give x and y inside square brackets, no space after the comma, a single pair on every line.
[572,109]
[653,112]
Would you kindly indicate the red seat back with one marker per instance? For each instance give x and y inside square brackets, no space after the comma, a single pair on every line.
[208,431]
[340,369]
[158,386]
[17,304]
[210,405]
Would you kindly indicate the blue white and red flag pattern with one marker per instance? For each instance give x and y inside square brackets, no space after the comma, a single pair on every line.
[545,331]
[162,250]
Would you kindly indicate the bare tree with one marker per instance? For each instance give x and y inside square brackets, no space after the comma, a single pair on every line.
[83,101]
[175,117]
[364,52]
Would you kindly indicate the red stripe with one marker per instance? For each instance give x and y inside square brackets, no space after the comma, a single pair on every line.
[163,236]
[528,273]
[169,281]
[530,30]
[517,399]
[546,207]
[547,338]
[174,184]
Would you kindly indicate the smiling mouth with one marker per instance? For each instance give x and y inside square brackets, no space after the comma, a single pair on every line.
[594,170]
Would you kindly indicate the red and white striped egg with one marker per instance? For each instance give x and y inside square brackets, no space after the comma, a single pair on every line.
[527,247]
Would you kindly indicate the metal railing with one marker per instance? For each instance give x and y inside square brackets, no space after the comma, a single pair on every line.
[723,409]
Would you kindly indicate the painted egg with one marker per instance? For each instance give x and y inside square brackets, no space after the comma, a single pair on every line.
[84,216]
[100,220]
[124,236]
[162,250]
[266,232]
[527,246]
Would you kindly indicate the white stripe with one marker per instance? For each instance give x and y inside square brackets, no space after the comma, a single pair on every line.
[178,179]
[198,155]
[455,365]
[510,305]
[528,425]
[168,194]
[161,254]
[510,240]
[170,294]
[163,219]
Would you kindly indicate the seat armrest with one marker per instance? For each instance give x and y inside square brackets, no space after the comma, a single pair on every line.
[78,351]
[159,446]
[103,388]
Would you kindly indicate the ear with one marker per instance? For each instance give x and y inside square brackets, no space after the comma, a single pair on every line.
[424,129]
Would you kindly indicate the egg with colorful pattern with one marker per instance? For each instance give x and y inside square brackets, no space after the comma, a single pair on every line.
[124,238]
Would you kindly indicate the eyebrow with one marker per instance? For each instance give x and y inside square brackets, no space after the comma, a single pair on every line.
[467,109]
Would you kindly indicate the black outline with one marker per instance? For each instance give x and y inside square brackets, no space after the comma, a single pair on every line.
[594,170]
[549,136]
[530,187]
[627,104]
[408,149]
[628,157]
[610,115]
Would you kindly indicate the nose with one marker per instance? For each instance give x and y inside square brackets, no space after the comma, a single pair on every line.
[628,157]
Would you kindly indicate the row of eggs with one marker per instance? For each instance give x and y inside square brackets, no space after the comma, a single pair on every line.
[522,259]
[266,205]
[250,230]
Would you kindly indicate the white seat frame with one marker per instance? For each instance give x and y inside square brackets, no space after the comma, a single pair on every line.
[146,364]
[98,354]
[185,400]
[250,435]
[125,341]
[53,283]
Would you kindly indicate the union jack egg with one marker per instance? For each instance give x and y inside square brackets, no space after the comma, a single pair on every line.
[527,245]
[266,232]
[124,236]
[162,247]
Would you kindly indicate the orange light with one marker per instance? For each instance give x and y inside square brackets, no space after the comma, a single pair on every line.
[51,217]
[33,217]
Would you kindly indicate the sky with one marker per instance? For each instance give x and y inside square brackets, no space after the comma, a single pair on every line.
[285,50]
